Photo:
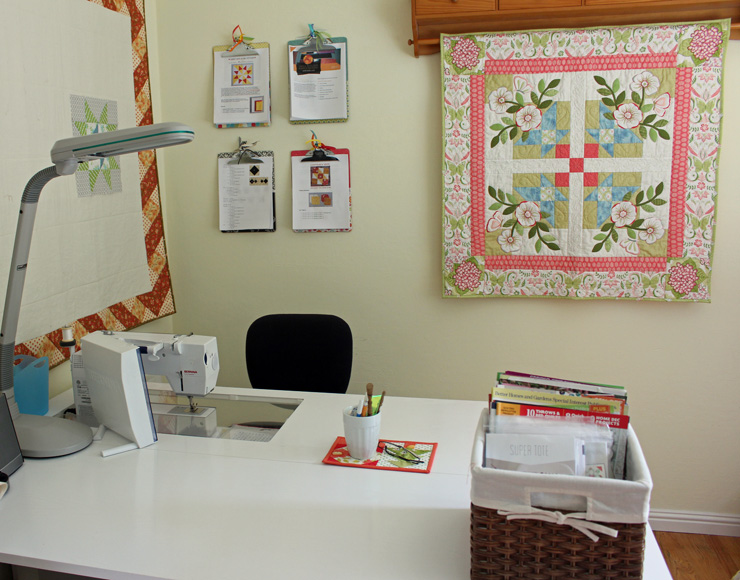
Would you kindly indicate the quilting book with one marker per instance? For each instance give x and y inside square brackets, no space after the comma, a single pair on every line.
[549,398]
[560,385]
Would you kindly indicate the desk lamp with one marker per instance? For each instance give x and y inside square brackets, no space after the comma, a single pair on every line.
[41,436]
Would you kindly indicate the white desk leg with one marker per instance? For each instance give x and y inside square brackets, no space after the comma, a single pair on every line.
[654,567]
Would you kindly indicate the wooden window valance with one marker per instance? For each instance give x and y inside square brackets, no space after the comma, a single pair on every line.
[430,18]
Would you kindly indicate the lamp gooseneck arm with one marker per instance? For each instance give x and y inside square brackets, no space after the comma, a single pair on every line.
[17,277]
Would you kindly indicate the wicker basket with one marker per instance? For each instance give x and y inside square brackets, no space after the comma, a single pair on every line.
[507,545]
[537,550]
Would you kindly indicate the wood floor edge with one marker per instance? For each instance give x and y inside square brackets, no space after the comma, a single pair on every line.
[695,522]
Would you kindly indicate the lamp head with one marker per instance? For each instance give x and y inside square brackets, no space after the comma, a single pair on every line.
[66,154]
[41,436]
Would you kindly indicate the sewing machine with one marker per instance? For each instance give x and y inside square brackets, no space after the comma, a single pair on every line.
[109,376]
[189,362]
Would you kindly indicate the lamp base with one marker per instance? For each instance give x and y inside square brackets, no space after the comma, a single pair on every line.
[41,436]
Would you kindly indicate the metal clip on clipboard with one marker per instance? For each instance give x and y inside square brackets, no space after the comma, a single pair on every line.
[318,153]
[246,190]
[315,41]
[244,154]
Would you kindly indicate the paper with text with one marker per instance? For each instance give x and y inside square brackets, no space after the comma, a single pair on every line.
[241,87]
[318,82]
[321,192]
[246,193]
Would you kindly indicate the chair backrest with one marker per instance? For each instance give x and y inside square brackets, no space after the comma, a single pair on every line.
[299,352]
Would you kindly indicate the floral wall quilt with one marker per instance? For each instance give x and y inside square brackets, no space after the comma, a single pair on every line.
[582,163]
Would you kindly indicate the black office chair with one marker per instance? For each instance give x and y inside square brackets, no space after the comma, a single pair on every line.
[299,352]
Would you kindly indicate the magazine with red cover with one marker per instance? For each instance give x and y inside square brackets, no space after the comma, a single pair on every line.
[550,397]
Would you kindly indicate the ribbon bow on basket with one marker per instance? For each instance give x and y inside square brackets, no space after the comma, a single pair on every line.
[575,520]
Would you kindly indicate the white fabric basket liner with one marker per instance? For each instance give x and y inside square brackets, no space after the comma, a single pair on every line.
[603,500]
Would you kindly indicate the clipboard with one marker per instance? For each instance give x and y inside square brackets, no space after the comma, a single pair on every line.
[246,191]
[309,61]
[322,198]
[241,84]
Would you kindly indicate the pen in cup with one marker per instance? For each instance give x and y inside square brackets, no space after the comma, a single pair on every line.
[369,404]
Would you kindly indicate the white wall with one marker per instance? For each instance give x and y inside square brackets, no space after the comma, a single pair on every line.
[680,361]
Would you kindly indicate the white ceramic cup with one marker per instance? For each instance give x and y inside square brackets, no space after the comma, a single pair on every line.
[362,434]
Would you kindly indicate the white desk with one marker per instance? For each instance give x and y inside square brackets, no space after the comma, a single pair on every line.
[192,508]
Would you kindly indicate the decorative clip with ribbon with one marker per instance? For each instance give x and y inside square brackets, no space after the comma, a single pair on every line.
[244,154]
[575,520]
[315,41]
[240,44]
[318,150]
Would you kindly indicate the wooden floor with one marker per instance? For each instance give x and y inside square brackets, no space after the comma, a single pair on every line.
[699,557]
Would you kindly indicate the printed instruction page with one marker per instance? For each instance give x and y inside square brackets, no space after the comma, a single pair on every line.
[241,86]
[321,192]
[246,195]
[318,82]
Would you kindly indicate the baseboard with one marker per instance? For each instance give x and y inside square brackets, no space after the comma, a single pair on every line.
[695,522]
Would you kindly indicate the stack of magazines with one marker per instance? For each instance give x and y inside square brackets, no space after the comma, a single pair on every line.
[523,405]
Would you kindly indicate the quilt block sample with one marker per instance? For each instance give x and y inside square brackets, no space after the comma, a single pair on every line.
[582,163]
[159,302]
